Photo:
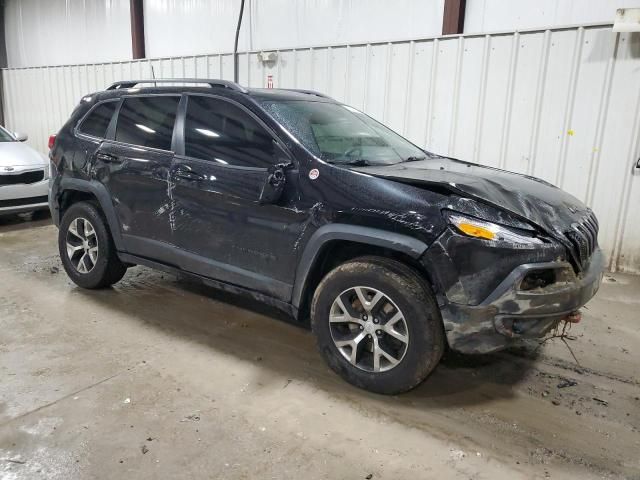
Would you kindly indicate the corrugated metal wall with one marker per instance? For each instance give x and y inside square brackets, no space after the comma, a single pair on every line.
[54,32]
[560,104]
[483,16]
[58,32]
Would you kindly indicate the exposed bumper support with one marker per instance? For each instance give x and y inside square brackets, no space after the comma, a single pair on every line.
[510,312]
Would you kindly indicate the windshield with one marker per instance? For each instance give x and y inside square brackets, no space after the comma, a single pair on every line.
[5,136]
[341,134]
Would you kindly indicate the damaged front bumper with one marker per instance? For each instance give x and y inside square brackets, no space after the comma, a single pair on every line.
[514,310]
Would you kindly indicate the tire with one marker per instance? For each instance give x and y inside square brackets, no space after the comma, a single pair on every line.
[94,263]
[409,326]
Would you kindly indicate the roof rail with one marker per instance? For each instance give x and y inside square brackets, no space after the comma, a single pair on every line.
[212,83]
[309,92]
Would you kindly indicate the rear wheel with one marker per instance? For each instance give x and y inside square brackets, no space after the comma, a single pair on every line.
[86,248]
[377,324]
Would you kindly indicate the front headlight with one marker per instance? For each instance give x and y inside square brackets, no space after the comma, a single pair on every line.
[473,227]
[48,169]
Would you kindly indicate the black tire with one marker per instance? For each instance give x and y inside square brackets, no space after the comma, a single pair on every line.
[107,269]
[405,288]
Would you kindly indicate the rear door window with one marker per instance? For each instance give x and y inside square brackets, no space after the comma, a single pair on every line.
[219,131]
[147,121]
[97,122]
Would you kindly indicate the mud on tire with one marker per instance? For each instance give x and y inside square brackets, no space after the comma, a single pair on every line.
[83,229]
[407,293]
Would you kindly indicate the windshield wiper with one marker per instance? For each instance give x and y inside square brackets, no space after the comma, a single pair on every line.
[358,162]
[414,159]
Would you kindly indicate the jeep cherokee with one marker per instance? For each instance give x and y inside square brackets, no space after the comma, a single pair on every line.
[391,252]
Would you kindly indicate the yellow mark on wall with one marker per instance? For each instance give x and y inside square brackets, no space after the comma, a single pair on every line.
[570,132]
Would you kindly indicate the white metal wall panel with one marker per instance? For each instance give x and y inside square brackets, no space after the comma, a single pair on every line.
[613,179]
[55,32]
[524,93]
[466,105]
[560,104]
[52,32]
[443,81]
[417,105]
[178,27]
[553,101]
[585,116]
[396,91]
[500,15]
[496,80]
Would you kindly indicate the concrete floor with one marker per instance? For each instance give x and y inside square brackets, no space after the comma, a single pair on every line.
[160,378]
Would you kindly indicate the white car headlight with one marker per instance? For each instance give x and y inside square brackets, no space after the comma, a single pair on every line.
[47,170]
[473,227]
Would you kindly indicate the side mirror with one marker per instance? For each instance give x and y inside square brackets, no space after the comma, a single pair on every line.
[20,137]
[273,184]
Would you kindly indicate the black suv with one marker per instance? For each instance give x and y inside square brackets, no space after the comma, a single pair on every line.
[310,205]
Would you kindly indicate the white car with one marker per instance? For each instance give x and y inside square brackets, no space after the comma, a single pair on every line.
[24,175]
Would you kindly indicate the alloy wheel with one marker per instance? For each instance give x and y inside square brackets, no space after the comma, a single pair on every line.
[368,329]
[82,245]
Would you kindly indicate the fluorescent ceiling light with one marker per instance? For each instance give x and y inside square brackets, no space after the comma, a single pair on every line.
[207,133]
[144,128]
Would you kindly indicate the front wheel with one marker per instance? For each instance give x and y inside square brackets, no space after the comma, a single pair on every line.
[377,325]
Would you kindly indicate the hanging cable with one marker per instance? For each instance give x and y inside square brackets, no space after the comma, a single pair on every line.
[235,45]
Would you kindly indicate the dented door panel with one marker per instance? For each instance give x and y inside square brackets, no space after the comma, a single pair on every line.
[137,181]
[215,214]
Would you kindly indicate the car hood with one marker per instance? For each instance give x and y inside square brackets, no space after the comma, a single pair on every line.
[530,198]
[18,154]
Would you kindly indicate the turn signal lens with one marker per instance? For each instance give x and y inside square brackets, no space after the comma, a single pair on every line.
[476,231]
[476,228]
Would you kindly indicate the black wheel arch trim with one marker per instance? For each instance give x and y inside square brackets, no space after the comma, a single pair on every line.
[370,236]
[104,199]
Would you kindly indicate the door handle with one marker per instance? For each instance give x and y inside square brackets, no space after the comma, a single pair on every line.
[108,158]
[187,174]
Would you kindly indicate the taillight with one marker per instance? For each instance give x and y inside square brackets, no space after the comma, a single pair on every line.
[52,141]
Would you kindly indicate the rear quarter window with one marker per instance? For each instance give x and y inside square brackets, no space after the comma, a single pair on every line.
[147,121]
[97,122]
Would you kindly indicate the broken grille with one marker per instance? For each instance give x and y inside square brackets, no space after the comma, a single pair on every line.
[584,239]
